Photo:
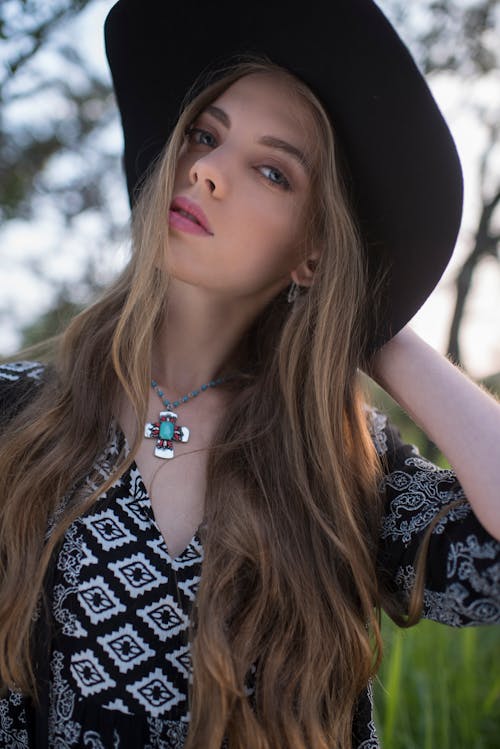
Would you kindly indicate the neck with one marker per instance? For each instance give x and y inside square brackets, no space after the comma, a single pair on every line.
[199,340]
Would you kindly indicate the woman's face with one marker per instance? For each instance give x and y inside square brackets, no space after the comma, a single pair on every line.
[253,193]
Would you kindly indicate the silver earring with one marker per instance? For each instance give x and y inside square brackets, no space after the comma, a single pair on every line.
[293,292]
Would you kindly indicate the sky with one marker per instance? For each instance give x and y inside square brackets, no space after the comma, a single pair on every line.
[25,245]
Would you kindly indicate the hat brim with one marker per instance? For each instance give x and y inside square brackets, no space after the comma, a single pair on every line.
[406,179]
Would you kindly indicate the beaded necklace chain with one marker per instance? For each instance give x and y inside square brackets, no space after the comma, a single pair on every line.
[166,431]
[167,403]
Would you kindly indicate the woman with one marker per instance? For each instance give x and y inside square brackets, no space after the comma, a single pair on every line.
[216,387]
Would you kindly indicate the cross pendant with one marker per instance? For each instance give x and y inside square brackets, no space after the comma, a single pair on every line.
[165,431]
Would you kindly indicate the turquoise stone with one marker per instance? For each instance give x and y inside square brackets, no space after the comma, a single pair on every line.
[166,430]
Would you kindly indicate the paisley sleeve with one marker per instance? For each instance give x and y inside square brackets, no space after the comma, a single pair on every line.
[462,573]
[14,722]
[18,382]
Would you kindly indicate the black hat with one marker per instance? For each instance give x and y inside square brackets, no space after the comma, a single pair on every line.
[404,169]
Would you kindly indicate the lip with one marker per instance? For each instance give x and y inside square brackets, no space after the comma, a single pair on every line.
[185,204]
[177,221]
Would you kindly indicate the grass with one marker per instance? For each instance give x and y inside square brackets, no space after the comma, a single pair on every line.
[439,688]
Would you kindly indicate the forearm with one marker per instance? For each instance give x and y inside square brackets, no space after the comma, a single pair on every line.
[461,418]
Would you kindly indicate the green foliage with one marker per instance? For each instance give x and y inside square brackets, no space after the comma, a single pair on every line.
[439,687]
[492,382]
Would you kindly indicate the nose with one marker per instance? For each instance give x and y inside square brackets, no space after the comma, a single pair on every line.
[208,172]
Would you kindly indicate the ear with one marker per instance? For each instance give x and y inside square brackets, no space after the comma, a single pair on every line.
[303,274]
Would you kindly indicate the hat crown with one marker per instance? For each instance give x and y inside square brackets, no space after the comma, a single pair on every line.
[406,179]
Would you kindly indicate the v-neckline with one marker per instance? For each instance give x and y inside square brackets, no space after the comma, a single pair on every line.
[195,538]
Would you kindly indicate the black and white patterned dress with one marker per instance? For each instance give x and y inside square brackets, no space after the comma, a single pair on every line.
[116,660]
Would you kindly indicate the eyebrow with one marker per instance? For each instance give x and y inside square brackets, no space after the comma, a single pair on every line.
[265,140]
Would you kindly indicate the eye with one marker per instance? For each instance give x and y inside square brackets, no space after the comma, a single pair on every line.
[195,134]
[283,182]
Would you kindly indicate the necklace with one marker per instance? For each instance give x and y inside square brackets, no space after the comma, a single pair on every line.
[166,431]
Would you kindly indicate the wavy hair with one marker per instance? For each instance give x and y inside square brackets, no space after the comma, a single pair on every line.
[288,594]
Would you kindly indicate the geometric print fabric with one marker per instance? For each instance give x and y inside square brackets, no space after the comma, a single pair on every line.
[122,614]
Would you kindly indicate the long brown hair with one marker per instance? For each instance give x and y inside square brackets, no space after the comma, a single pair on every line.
[293,506]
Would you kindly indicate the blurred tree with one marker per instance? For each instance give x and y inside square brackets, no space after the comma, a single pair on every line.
[53,321]
[486,243]
[80,104]
[449,35]
[59,143]
[58,161]
[462,38]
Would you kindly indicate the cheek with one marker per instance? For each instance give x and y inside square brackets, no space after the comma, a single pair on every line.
[182,166]
[277,220]
[266,254]
[266,246]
